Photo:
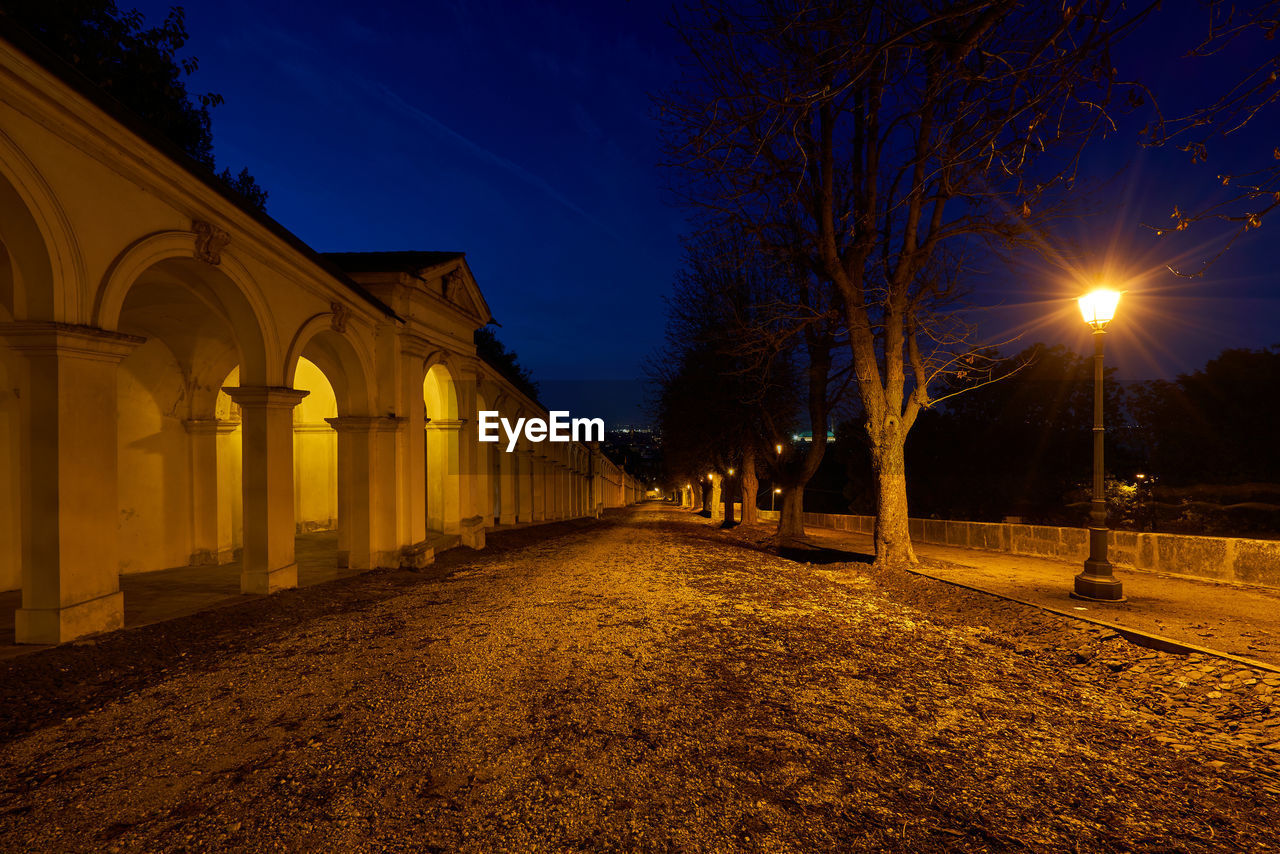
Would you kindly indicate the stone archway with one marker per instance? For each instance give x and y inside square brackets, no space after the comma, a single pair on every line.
[172,490]
[57,414]
[335,437]
[443,436]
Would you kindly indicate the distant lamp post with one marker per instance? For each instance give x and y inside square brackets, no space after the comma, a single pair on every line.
[774,499]
[1097,583]
[778,448]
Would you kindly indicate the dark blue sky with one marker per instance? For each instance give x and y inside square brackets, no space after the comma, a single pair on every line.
[517,133]
[522,134]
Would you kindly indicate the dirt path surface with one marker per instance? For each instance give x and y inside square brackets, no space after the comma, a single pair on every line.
[642,683]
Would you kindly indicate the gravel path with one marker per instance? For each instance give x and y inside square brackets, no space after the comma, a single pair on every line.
[642,683]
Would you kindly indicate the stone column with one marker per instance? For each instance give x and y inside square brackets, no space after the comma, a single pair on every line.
[269,526]
[468,476]
[507,483]
[539,487]
[366,521]
[411,448]
[553,489]
[70,559]
[562,495]
[524,483]
[345,489]
[444,499]
[211,537]
[575,508]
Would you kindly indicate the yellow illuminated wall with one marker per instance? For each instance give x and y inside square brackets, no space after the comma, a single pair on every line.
[154,475]
[315,452]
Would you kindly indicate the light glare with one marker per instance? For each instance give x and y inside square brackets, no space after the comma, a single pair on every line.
[1099,306]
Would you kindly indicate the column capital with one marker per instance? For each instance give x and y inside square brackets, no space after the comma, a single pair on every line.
[209,426]
[266,397]
[444,424]
[365,423]
[89,342]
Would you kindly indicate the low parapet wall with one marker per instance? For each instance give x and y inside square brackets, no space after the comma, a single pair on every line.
[1220,558]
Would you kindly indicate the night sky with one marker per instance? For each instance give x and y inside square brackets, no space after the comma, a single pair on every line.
[522,134]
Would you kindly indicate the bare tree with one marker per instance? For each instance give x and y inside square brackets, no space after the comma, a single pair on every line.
[1254,191]
[723,380]
[751,344]
[878,142]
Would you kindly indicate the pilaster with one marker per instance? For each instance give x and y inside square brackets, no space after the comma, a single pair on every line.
[269,525]
[444,495]
[70,560]
[211,533]
[366,499]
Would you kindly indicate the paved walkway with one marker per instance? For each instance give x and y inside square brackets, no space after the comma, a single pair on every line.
[641,683]
[165,594]
[1233,618]
[152,597]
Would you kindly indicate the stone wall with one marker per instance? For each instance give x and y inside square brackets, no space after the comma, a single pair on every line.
[1222,558]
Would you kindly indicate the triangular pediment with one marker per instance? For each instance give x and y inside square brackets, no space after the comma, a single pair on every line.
[444,276]
[462,291]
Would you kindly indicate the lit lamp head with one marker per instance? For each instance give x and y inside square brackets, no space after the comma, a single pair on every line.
[1098,307]
[777,491]
[730,472]
[779,447]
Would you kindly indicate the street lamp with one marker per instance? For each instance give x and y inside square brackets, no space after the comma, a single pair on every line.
[773,501]
[1097,583]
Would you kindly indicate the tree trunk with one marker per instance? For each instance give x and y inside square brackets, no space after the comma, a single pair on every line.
[791,520]
[727,495]
[705,489]
[893,535]
[717,511]
[750,486]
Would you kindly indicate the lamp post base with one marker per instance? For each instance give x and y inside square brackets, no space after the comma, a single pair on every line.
[1098,588]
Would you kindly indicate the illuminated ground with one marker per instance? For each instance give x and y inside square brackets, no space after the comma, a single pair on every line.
[636,684]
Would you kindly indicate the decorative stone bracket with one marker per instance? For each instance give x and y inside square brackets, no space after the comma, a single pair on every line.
[210,241]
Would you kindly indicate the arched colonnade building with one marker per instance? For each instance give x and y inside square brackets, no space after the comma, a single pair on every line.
[183,381]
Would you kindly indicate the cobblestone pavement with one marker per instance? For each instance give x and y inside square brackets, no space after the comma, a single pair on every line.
[643,683]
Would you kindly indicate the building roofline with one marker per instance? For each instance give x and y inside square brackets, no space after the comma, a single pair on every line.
[71,77]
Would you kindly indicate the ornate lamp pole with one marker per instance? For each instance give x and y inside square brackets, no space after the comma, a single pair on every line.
[1097,583]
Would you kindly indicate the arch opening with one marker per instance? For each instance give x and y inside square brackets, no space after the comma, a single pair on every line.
[315,452]
[443,510]
[26,272]
[178,439]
